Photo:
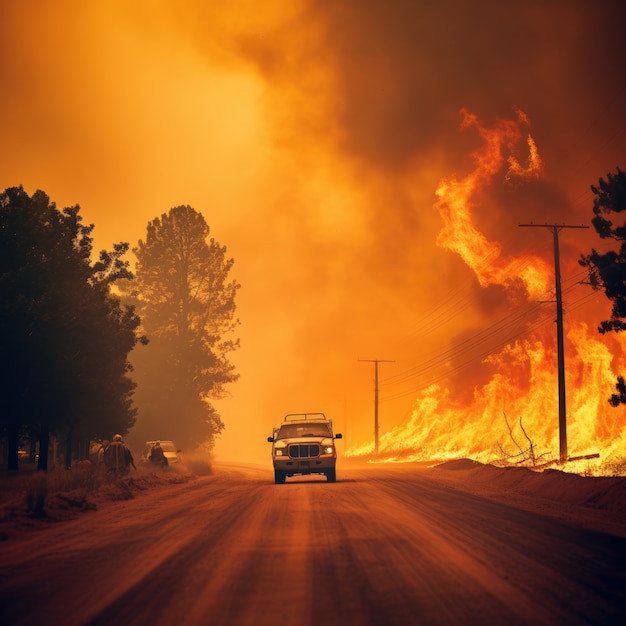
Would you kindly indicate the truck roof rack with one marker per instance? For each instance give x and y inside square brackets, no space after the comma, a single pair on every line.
[308,417]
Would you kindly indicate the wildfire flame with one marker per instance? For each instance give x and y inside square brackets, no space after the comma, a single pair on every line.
[514,415]
[457,199]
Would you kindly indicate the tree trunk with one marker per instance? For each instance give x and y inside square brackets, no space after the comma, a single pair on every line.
[68,450]
[32,449]
[13,437]
[44,442]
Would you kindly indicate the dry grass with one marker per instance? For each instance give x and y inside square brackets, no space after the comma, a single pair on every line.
[38,488]
[29,497]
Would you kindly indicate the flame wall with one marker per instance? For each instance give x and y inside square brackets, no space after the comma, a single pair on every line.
[513,412]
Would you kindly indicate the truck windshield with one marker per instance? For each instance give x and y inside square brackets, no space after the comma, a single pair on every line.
[303,430]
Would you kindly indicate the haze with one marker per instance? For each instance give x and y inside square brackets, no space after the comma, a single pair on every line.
[317,139]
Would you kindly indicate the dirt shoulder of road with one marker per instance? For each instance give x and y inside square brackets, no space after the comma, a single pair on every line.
[592,502]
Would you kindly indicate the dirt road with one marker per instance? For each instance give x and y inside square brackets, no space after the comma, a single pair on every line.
[379,547]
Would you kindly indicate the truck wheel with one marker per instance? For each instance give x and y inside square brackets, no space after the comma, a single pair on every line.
[331,475]
[279,477]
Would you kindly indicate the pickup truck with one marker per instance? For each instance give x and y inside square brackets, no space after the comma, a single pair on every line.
[304,444]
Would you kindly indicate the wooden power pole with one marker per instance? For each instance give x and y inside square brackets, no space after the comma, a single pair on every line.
[555,228]
[376,362]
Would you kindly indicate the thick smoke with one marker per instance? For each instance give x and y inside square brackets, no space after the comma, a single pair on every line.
[313,136]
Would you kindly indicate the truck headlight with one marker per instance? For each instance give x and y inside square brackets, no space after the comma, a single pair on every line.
[327,447]
[280,448]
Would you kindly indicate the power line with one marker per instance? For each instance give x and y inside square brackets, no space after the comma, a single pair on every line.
[485,342]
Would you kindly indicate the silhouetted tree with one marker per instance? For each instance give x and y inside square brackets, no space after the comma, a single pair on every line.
[607,270]
[64,337]
[186,302]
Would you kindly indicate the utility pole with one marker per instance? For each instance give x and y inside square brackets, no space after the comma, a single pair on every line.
[375,362]
[555,228]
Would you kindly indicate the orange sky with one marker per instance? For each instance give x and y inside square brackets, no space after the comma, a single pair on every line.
[313,137]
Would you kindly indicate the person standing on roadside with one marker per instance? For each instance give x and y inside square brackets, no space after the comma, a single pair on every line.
[157,456]
[116,458]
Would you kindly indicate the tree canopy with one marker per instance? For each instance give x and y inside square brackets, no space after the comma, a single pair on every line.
[64,336]
[607,271]
[186,302]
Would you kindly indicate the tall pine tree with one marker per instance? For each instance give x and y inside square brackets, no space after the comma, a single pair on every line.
[186,302]
[64,337]
[607,270]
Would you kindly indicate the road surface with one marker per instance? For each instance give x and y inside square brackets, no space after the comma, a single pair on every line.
[381,546]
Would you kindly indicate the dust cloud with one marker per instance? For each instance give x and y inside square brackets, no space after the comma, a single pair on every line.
[313,137]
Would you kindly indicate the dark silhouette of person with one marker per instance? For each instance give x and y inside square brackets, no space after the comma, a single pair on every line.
[157,456]
[116,458]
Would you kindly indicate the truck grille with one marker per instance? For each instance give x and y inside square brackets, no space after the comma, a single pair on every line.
[304,450]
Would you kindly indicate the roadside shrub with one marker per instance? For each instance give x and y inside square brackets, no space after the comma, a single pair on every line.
[40,486]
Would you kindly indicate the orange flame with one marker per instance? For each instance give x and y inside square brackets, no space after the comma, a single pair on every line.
[513,416]
[457,198]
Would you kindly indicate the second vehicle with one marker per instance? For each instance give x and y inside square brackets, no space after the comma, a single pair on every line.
[171,453]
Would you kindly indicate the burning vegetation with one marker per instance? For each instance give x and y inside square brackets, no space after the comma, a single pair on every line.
[512,414]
